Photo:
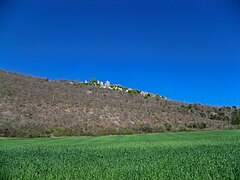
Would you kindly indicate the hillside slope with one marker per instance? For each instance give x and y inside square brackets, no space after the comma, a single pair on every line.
[34,107]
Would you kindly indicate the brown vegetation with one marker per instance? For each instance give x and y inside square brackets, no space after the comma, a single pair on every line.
[37,107]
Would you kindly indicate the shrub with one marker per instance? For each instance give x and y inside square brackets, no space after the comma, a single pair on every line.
[235,120]
[147,95]
[157,97]
[146,128]
[134,92]
[93,81]
[127,131]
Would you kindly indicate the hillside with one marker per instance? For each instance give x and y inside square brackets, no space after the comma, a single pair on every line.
[38,107]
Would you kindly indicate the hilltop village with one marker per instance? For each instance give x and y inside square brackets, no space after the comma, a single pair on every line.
[117,87]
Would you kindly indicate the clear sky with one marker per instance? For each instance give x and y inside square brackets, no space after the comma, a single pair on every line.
[186,50]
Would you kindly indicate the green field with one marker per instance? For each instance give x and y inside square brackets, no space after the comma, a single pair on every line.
[185,155]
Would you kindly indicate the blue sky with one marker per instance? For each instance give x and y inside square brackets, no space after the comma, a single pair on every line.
[185,50]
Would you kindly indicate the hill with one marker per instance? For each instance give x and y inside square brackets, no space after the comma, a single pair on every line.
[39,107]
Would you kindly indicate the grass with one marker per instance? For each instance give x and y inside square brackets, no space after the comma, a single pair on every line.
[185,155]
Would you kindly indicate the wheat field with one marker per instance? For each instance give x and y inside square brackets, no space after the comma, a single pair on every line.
[184,155]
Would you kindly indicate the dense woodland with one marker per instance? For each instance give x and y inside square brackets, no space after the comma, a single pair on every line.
[38,107]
